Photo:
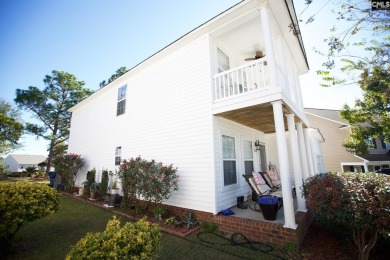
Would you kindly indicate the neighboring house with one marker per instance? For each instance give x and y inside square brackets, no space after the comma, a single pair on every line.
[336,157]
[19,162]
[199,104]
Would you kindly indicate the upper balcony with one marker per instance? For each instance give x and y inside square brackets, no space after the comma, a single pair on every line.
[240,79]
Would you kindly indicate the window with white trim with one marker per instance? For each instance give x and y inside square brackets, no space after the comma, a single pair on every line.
[247,148]
[121,105]
[229,160]
[223,61]
[118,154]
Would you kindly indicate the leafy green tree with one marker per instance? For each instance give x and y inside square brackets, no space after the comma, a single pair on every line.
[119,72]
[358,47]
[10,127]
[359,202]
[353,43]
[50,106]
[370,116]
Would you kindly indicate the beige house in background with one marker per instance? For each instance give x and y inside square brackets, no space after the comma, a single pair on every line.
[336,158]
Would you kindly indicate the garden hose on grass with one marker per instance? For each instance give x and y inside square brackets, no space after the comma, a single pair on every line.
[235,241]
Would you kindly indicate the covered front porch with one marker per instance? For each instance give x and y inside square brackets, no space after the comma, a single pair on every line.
[253,225]
[290,139]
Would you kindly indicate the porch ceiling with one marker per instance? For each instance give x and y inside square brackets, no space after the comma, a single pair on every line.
[259,117]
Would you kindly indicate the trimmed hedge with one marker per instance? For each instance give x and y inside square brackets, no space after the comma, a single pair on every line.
[21,203]
[139,240]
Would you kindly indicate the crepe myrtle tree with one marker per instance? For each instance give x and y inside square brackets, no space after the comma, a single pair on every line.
[359,202]
[67,166]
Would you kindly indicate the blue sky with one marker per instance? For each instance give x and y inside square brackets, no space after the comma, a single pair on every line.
[93,38]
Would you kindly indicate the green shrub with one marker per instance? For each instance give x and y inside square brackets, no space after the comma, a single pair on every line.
[209,227]
[358,201]
[104,184]
[21,203]
[139,240]
[91,175]
[38,174]
[30,170]
[3,172]
[147,180]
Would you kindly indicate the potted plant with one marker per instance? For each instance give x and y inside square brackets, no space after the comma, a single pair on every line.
[82,188]
[114,191]
[158,211]
[114,188]
[93,189]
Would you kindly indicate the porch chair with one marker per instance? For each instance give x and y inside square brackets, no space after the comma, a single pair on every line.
[272,179]
[259,188]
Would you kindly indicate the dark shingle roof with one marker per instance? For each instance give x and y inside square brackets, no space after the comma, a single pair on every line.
[375,157]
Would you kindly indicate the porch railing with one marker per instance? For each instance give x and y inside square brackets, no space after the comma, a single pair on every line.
[252,76]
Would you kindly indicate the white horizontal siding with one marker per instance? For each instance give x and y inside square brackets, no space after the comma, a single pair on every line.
[167,118]
[225,196]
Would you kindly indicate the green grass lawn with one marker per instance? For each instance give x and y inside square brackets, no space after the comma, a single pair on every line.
[53,236]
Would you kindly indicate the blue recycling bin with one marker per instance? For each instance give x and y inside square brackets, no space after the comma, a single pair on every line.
[269,206]
[52,176]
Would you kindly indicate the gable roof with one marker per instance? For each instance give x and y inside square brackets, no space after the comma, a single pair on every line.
[206,27]
[329,114]
[27,158]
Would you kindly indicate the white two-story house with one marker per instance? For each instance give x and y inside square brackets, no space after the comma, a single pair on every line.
[202,102]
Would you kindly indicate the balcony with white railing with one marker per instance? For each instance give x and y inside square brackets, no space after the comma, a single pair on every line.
[249,84]
[248,78]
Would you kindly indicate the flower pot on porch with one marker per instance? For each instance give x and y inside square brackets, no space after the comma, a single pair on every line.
[269,206]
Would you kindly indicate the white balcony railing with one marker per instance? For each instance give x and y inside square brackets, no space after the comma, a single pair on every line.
[250,77]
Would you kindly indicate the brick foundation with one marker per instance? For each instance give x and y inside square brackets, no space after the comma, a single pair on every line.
[255,230]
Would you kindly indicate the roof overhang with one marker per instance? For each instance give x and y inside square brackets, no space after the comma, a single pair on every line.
[282,9]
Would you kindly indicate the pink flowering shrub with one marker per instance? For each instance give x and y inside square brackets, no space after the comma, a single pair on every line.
[67,166]
[147,180]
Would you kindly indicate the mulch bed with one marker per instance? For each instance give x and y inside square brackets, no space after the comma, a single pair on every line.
[180,231]
[318,244]
[321,243]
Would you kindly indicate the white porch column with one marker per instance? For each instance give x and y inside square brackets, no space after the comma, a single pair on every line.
[312,170]
[269,46]
[283,66]
[302,151]
[288,206]
[296,160]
